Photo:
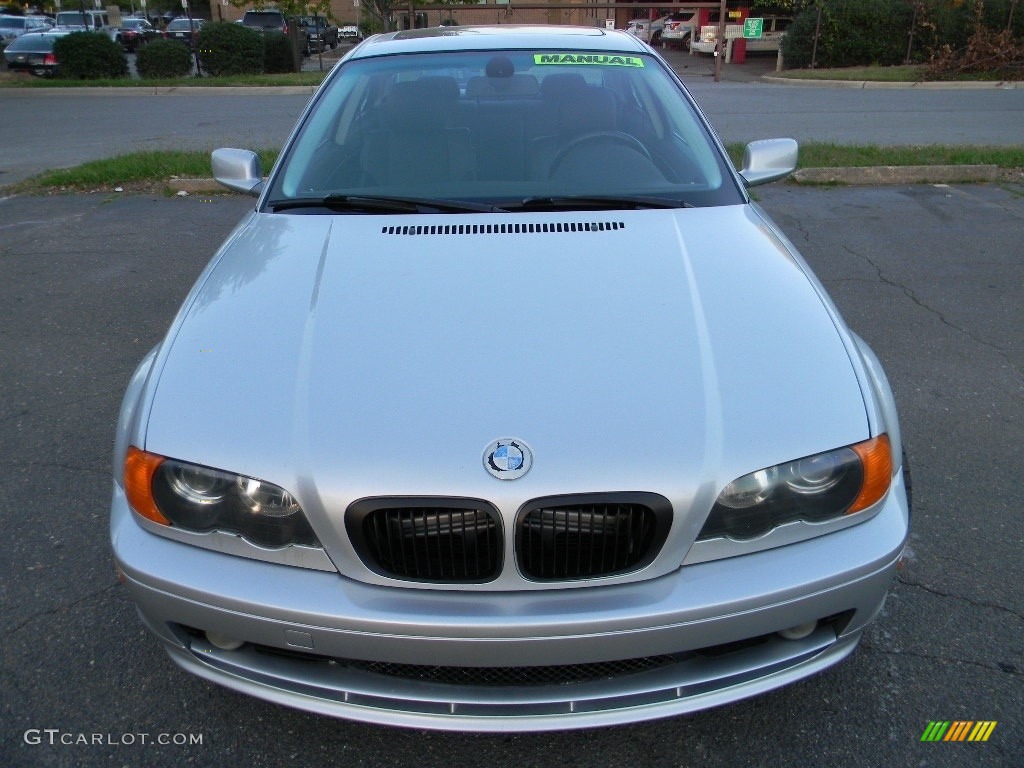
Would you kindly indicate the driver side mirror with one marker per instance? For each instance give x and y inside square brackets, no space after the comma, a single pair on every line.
[238,169]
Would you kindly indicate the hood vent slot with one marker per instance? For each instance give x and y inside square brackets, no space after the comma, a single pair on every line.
[506,229]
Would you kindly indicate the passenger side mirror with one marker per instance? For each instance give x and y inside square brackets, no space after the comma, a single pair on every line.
[768,160]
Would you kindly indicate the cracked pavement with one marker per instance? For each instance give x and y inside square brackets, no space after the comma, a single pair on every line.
[932,277]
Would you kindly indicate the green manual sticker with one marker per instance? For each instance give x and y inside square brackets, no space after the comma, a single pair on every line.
[601,59]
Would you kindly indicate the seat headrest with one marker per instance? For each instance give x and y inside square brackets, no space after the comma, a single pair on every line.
[556,85]
[516,85]
[426,101]
[590,108]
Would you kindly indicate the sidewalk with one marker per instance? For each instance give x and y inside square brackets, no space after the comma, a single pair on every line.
[694,67]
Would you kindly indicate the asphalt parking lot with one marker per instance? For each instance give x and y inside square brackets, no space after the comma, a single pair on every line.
[930,276]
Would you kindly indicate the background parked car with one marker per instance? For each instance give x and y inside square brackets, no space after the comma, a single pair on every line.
[275,21]
[180,29]
[653,31]
[34,53]
[320,33]
[135,32]
[679,29]
[12,27]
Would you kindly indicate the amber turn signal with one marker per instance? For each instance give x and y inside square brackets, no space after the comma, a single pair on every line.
[139,468]
[876,458]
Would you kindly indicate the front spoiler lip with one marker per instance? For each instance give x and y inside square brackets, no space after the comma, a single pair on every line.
[635,698]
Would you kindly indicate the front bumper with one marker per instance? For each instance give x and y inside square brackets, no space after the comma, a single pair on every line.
[710,627]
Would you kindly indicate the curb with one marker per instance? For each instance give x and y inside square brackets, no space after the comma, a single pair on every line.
[198,187]
[1006,85]
[165,90]
[898,174]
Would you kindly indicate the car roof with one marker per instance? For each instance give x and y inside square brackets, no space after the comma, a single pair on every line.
[27,41]
[500,37]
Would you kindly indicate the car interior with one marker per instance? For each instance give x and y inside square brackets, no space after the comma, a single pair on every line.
[489,133]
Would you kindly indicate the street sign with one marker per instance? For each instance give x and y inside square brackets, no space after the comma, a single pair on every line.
[753,28]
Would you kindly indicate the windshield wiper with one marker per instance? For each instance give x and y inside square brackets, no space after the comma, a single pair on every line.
[373,204]
[598,202]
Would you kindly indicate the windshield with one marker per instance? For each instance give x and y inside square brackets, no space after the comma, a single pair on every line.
[13,23]
[501,127]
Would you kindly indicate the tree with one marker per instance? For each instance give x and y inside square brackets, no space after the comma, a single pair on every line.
[382,12]
[290,7]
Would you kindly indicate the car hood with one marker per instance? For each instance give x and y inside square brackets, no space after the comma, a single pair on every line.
[350,356]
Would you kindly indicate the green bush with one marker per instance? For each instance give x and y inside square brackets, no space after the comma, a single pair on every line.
[164,58]
[230,49]
[89,56]
[278,53]
[798,43]
[852,33]
[865,32]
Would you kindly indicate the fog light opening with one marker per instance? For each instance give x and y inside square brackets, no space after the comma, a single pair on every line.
[222,642]
[800,631]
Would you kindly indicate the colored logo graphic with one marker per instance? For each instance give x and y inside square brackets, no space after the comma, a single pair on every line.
[958,730]
[508,459]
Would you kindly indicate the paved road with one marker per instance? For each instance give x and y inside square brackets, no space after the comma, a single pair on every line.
[58,130]
[930,276]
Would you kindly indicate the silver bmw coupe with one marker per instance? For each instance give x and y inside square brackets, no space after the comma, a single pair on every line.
[506,408]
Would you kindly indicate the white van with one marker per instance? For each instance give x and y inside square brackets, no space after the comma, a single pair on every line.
[93,21]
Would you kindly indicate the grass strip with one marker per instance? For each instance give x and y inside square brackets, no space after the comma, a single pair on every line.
[908,73]
[137,167]
[824,155]
[156,167]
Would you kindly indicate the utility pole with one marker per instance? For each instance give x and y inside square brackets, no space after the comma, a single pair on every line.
[720,43]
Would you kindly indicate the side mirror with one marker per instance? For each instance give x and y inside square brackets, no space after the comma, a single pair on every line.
[768,160]
[239,170]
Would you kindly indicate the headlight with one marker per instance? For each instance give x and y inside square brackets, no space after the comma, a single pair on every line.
[196,498]
[814,489]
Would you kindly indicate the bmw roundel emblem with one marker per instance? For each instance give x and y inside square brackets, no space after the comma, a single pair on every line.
[508,459]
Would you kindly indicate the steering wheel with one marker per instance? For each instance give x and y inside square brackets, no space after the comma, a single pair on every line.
[597,137]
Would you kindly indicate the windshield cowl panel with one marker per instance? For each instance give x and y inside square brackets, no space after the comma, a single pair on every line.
[518,130]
